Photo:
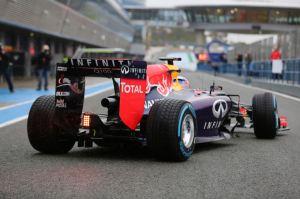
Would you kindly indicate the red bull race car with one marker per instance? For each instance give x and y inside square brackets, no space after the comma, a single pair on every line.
[152,105]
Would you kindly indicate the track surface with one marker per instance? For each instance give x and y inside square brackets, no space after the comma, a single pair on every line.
[240,168]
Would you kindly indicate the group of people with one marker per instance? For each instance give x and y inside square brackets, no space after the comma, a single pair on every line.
[42,66]
[275,58]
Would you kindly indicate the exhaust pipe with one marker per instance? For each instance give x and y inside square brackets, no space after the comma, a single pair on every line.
[109,102]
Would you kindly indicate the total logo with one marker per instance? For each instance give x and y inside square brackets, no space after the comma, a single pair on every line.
[219,108]
[134,89]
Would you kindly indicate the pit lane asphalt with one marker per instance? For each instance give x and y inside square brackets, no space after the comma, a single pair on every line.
[243,167]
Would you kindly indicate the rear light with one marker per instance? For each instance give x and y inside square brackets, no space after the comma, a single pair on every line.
[243,111]
[283,122]
[86,120]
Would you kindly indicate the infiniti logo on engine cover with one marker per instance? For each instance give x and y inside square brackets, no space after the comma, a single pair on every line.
[219,108]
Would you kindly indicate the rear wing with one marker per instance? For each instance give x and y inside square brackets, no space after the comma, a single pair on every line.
[70,86]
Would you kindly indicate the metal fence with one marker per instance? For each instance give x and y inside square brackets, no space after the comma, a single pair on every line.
[260,70]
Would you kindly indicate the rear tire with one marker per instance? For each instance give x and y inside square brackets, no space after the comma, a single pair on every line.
[43,135]
[265,118]
[171,129]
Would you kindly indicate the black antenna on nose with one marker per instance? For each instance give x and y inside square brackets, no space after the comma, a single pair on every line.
[212,88]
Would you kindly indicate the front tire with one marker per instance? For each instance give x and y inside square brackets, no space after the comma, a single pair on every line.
[265,117]
[43,134]
[171,129]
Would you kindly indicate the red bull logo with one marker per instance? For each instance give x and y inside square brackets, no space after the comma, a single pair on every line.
[160,78]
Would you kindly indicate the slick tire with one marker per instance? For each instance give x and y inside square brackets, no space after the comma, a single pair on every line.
[43,135]
[171,129]
[265,118]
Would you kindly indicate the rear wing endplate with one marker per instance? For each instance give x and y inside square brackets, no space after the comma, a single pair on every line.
[70,86]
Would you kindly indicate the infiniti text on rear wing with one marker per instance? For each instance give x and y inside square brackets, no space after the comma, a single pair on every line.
[70,85]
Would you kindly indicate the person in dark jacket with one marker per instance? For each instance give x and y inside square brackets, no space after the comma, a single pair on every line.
[43,67]
[239,60]
[4,68]
[248,61]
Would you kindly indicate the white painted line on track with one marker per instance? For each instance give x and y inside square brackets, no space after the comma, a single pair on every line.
[16,120]
[30,101]
[15,105]
[98,84]
[261,89]
[10,122]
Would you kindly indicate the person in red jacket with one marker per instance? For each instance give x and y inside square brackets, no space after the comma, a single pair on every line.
[276,60]
[276,54]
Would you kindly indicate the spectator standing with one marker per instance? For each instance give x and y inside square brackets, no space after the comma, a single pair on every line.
[5,69]
[215,66]
[277,65]
[239,61]
[43,67]
[248,60]
[224,62]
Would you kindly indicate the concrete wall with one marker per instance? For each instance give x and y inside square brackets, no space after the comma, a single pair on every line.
[53,18]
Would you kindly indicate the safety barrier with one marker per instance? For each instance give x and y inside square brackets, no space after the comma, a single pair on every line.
[261,70]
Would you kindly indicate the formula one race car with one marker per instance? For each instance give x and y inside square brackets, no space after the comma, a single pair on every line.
[152,105]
